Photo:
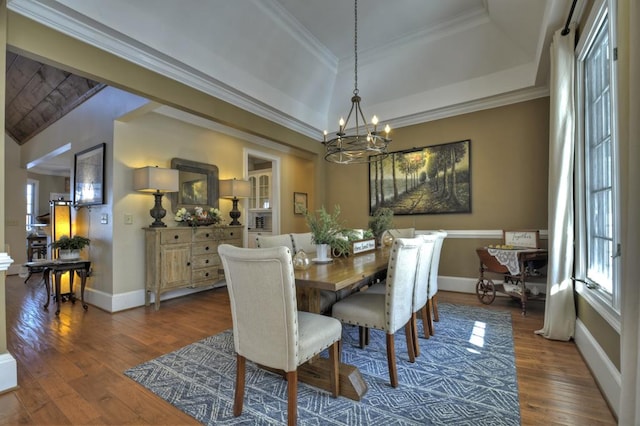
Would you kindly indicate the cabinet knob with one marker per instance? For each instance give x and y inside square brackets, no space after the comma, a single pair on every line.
[206,275]
[231,233]
[207,235]
[188,263]
[206,261]
[206,248]
[175,237]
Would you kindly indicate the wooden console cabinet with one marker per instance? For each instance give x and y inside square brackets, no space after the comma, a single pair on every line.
[180,257]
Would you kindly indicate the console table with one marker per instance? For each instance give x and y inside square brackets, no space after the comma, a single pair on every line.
[57,268]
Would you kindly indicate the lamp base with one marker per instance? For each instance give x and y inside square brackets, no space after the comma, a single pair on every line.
[157,212]
[235,213]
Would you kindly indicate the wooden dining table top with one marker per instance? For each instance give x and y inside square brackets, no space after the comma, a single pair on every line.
[344,272]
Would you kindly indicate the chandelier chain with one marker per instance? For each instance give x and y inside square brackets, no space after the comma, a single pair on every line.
[355,48]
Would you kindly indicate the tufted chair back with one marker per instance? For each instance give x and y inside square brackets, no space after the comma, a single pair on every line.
[267,327]
[389,311]
[303,242]
[401,272]
[423,271]
[268,241]
[263,281]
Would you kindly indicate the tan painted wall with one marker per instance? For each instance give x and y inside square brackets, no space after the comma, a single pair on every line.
[509,168]
[153,139]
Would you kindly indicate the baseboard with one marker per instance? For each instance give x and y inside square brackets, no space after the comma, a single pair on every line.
[604,372]
[134,299]
[8,372]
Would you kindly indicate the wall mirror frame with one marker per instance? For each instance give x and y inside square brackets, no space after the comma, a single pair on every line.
[198,185]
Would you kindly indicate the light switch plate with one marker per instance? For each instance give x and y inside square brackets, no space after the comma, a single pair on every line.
[128,219]
[104,218]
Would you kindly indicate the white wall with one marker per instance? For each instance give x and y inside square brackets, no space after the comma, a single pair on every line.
[88,125]
[15,205]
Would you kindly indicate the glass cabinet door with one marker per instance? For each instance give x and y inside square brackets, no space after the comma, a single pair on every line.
[253,199]
[263,192]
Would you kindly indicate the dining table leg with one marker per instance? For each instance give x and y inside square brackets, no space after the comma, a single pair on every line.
[316,372]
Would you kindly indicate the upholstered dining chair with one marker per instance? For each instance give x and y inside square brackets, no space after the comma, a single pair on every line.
[420,289]
[281,337]
[268,241]
[390,311]
[303,241]
[432,291]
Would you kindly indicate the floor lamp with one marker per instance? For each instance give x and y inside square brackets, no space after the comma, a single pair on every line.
[234,189]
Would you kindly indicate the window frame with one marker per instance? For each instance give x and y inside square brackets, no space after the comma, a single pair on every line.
[35,184]
[607,305]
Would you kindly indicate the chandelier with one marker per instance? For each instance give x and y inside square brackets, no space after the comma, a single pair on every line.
[364,143]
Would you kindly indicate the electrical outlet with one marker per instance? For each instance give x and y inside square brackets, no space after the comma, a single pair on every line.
[128,219]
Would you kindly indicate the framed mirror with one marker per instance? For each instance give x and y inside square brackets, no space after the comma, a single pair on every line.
[198,185]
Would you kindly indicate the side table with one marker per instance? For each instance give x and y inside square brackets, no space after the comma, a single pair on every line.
[57,268]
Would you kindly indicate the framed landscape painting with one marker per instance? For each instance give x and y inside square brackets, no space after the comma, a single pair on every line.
[429,180]
[88,176]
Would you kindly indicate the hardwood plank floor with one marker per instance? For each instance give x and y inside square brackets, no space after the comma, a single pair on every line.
[70,367]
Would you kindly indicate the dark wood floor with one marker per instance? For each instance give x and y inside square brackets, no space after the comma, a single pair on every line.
[70,368]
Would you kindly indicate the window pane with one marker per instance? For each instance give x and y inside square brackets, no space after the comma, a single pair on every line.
[598,153]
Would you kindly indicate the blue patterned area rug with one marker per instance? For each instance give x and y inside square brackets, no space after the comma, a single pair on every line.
[465,375]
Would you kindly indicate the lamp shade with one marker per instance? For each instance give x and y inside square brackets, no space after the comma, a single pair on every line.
[155,179]
[234,188]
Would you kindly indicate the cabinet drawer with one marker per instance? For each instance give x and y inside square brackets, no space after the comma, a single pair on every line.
[205,260]
[205,233]
[176,236]
[205,274]
[230,234]
[210,247]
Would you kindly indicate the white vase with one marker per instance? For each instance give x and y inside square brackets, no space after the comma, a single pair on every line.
[321,252]
[68,254]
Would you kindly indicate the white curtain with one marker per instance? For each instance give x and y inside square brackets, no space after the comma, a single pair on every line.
[629,413]
[560,313]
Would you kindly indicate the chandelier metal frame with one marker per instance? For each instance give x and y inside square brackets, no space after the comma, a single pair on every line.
[364,144]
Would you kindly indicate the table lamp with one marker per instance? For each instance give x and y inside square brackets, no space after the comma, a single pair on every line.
[235,189]
[158,181]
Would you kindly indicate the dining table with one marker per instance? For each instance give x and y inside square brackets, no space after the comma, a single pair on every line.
[347,272]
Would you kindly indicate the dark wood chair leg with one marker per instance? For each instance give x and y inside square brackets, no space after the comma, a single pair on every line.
[361,335]
[391,360]
[414,334]
[239,395]
[334,358]
[430,317]
[411,341]
[292,396]
[436,316]
[426,324]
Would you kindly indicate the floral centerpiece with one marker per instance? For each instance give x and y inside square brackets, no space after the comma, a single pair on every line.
[199,216]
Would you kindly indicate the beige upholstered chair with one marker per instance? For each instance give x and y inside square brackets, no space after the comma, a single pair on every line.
[262,281]
[400,232]
[267,241]
[420,296]
[387,312]
[432,293]
[304,242]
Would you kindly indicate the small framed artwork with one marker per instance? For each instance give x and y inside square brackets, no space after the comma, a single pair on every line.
[299,202]
[88,176]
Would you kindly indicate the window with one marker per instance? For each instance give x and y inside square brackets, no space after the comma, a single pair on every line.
[32,203]
[597,165]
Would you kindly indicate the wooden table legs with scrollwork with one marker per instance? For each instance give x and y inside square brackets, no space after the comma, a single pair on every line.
[80,267]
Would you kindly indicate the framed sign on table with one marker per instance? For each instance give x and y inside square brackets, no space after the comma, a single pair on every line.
[88,176]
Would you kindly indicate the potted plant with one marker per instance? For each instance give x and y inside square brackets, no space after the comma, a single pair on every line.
[380,222]
[69,248]
[325,228]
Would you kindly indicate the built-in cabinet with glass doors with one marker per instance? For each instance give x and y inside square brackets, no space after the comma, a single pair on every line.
[260,207]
